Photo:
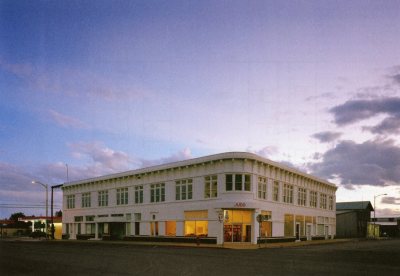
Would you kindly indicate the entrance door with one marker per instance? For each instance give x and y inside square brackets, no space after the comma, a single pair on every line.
[326,232]
[298,231]
[248,233]
[227,233]
[237,233]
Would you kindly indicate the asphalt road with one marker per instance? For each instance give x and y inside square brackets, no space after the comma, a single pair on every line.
[102,258]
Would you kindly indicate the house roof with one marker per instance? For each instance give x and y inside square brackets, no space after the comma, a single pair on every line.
[354,205]
[195,162]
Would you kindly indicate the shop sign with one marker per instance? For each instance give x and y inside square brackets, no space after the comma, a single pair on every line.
[240,204]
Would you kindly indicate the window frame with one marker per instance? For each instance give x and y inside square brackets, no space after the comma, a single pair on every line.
[231,182]
[138,194]
[122,196]
[157,192]
[262,187]
[211,186]
[86,200]
[70,201]
[102,198]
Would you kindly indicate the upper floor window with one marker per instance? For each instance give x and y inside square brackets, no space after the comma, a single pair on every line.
[122,196]
[313,199]
[184,189]
[237,182]
[157,192]
[211,186]
[86,200]
[287,193]
[103,198]
[276,191]
[262,187]
[330,203]
[302,197]
[139,194]
[322,201]
[70,201]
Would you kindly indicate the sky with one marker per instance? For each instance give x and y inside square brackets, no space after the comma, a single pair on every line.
[89,88]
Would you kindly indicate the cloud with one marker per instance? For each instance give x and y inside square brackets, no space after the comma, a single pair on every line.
[327,136]
[76,83]
[66,121]
[327,95]
[395,78]
[390,125]
[356,110]
[391,200]
[370,163]
[179,156]
[14,177]
[266,152]
[103,158]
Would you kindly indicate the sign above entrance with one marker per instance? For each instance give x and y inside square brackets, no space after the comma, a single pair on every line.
[240,204]
[261,218]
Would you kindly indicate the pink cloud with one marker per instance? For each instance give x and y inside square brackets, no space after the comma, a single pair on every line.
[66,121]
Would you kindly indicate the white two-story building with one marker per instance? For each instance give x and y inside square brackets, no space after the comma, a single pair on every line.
[222,198]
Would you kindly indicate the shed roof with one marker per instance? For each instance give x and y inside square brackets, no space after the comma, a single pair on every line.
[354,205]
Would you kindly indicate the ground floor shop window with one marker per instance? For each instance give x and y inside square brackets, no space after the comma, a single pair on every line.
[90,228]
[196,223]
[154,228]
[288,226]
[266,226]
[237,225]
[170,228]
[196,228]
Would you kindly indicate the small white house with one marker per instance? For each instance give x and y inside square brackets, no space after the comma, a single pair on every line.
[233,197]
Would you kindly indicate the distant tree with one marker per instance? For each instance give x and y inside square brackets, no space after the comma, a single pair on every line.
[59,213]
[16,223]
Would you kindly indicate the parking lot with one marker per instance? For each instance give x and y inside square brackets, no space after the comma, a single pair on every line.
[104,258]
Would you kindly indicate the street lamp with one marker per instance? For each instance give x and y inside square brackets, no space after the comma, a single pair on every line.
[47,201]
[374,211]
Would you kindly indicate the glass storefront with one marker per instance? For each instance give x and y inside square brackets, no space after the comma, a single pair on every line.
[237,225]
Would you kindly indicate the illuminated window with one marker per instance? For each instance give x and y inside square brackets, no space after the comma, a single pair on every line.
[288,225]
[103,198]
[157,192]
[241,182]
[313,199]
[184,189]
[139,194]
[276,191]
[211,186]
[287,193]
[262,187]
[196,223]
[170,228]
[266,226]
[86,200]
[302,197]
[70,201]
[122,196]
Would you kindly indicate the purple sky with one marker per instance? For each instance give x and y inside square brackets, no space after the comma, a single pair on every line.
[107,86]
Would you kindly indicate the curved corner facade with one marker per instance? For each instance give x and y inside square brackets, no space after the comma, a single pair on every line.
[224,198]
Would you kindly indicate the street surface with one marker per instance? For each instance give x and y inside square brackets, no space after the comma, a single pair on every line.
[103,258]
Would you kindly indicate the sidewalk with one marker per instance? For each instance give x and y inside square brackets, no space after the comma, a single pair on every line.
[235,246]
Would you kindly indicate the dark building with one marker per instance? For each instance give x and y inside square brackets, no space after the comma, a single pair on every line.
[388,226]
[352,219]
